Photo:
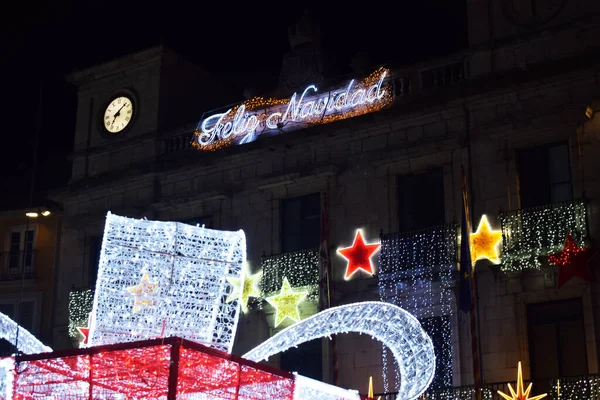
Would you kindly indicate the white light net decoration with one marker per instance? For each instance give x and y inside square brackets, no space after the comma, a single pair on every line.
[394,327]
[26,342]
[310,389]
[161,279]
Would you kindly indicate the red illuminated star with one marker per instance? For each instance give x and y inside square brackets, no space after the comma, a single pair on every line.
[85,333]
[359,255]
[573,261]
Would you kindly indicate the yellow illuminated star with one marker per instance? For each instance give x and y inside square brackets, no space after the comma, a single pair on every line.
[520,394]
[370,394]
[286,303]
[244,287]
[143,294]
[484,242]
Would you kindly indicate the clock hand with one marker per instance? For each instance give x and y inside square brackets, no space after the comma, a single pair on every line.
[119,111]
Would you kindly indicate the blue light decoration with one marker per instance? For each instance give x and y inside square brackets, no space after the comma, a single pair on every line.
[530,235]
[416,273]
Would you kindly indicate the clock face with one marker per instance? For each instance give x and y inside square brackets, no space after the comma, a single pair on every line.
[118,114]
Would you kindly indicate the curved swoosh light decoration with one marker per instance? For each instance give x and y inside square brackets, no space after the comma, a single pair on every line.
[396,328]
[27,343]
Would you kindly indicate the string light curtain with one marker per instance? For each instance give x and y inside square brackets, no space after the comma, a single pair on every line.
[80,307]
[161,279]
[530,235]
[415,273]
[301,268]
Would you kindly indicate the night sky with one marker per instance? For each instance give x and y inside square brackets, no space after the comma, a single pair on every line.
[243,44]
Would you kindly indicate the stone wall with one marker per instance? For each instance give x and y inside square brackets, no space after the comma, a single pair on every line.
[356,163]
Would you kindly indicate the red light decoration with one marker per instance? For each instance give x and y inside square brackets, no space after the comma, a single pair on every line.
[152,369]
[573,261]
[359,255]
[85,332]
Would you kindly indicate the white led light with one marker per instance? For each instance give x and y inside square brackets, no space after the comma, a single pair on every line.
[26,343]
[394,327]
[161,279]
[310,389]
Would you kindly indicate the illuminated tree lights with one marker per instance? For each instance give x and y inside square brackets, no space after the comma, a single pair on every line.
[244,122]
[80,307]
[415,273]
[528,235]
[484,242]
[161,279]
[359,256]
[394,327]
[573,261]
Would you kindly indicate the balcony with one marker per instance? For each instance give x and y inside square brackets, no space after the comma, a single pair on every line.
[578,387]
[80,306]
[529,235]
[14,266]
[301,268]
[429,252]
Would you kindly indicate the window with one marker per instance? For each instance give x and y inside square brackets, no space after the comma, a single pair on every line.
[301,230]
[556,341]
[9,308]
[421,200]
[300,223]
[95,246]
[21,243]
[544,175]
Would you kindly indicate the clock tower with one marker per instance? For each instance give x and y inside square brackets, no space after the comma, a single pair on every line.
[125,105]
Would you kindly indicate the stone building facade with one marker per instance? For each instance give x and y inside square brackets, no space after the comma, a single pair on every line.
[516,109]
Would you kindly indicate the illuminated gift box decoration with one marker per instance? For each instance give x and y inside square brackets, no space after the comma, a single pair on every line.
[159,369]
[161,279]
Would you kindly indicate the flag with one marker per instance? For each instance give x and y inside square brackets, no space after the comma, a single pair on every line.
[468,289]
[466,270]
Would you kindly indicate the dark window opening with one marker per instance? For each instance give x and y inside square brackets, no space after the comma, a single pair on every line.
[300,222]
[544,175]
[306,359]
[556,341]
[301,230]
[421,200]
[95,246]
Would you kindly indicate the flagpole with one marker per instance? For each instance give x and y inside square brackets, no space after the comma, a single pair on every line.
[475,349]
[326,283]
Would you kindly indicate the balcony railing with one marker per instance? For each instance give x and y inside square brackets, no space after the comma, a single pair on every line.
[579,387]
[301,268]
[530,234]
[80,306]
[14,265]
[424,252]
